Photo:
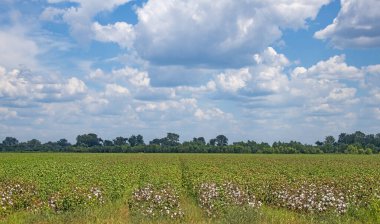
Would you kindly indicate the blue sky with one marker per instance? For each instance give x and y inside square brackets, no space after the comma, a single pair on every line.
[259,70]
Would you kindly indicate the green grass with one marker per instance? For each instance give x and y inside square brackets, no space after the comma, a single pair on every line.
[119,175]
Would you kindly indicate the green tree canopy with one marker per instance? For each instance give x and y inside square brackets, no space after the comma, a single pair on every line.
[119,141]
[10,141]
[88,140]
[221,140]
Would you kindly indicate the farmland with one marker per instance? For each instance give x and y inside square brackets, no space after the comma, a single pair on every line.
[189,188]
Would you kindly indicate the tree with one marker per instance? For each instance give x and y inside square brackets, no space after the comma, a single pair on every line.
[34,143]
[318,143]
[10,141]
[343,138]
[88,140]
[329,140]
[171,139]
[221,140]
[132,141]
[377,140]
[359,137]
[119,141]
[328,144]
[155,141]
[108,143]
[63,142]
[140,140]
[199,141]
[212,142]
[136,140]
[370,139]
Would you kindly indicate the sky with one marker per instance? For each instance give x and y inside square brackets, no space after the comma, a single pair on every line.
[274,70]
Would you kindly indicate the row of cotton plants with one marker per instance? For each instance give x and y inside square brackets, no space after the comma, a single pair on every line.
[19,196]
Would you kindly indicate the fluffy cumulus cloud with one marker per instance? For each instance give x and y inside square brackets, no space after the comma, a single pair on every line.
[28,102]
[211,114]
[336,68]
[116,90]
[325,85]
[180,105]
[276,97]
[121,33]
[269,94]
[21,85]
[119,97]
[265,76]
[131,76]
[207,33]
[234,80]
[17,49]
[79,16]
[355,26]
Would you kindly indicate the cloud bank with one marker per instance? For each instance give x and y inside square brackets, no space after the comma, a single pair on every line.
[199,68]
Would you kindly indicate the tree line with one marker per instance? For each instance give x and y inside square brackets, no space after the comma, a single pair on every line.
[355,143]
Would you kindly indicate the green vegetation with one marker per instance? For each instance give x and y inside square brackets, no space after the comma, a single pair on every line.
[355,143]
[188,188]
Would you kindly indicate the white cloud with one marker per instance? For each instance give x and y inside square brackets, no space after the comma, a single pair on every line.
[234,80]
[272,95]
[74,86]
[210,114]
[269,76]
[121,33]
[373,69]
[6,113]
[52,14]
[334,68]
[264,77]
[17,84]
[269,96]
[116,90]
[203,89]
[292,97]
[373,97]
[208,33]
[94,104]
[11,84]
[324,108]
[17,49]
[178,105]
[342,94]
[270,57]
[97,74]
[376,95]
[133,76]
[139,79]
[80,17]
[323,86]
[356,26]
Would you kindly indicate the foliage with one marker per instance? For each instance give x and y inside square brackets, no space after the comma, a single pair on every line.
[88,140]
[17,196]
[75,198]
[357,143]
[179,187]
[10,141]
